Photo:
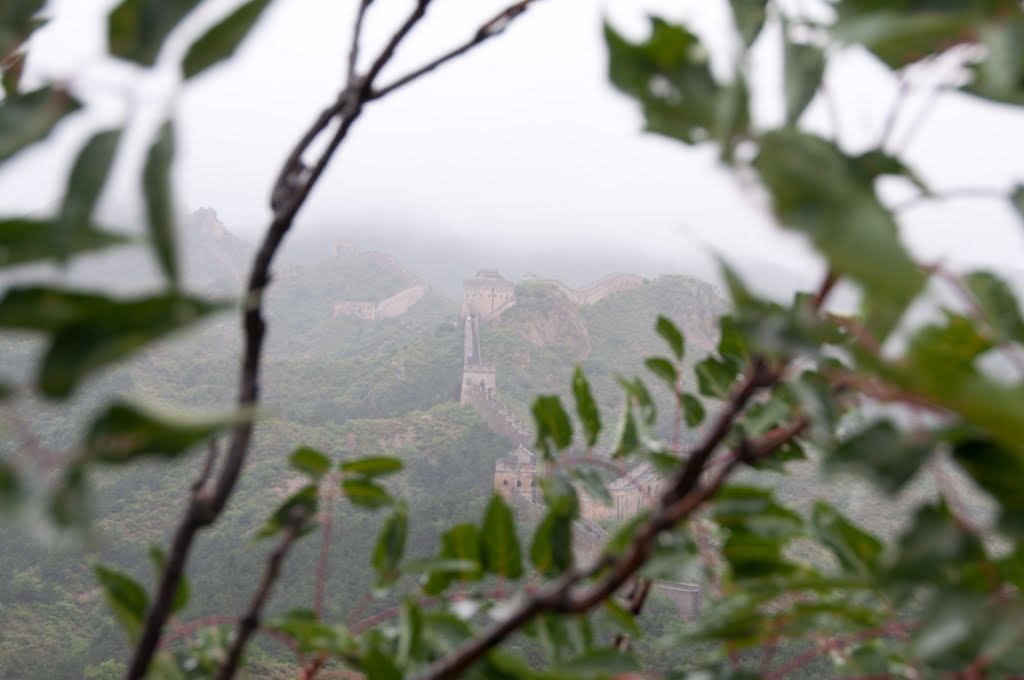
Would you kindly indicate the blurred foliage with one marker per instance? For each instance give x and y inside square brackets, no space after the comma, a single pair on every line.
[794,585]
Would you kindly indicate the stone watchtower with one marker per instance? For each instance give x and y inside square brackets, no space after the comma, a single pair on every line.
[515,473]
[487,294]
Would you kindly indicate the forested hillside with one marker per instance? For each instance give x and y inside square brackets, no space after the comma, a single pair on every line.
[348,386]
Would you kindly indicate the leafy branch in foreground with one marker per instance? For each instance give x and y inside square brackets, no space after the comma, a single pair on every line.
[880,393]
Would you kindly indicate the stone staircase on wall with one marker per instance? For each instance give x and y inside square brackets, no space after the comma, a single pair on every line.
[498,416]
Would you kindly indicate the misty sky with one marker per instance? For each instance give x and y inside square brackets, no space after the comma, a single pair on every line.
[522,142]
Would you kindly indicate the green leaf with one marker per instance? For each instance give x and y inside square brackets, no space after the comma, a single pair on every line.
[23,241]
[310,461]
[749,16]
[29,117]
[804,67]
[1017,200]
[670,76]
[123,433]
[881,453]
[551,549]
[935,537]
[586,407]
[559,495]
[600,663]
[552,423]
[70,504]
[500,544]
[310,635]
[693,410]
[638,394]
[900,36]
[126,598]
[998,303]
[941,366]
[594,485]
[627,436]
[731,345]
[1000,75]
[715,378]
[672,335]
[90,331]
[88,175]
[410,634]
[621,617]
[302,505]
[664,369]
[17,21]
[461,544]
[372,466]
[156,180]
[731,122]
[999,471]
[387,554]
[826,195]
[380,666]
[136,29]
[10,487]
[365,493]
[221,41]
[159,560]
[856,550]
[754,510]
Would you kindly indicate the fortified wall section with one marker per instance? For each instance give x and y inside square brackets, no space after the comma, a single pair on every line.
[598,290]
[396,305]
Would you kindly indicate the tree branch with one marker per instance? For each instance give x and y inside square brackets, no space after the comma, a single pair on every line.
[489,29]
[292,188]
[679,501]
[250,623]
[357,30]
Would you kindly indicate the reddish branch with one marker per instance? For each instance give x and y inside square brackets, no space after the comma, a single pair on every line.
[293,186]
[685,493]
[897,629]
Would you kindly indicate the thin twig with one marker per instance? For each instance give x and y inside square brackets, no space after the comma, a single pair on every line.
[488,30]
[388,52]
[357,30]
[250,623]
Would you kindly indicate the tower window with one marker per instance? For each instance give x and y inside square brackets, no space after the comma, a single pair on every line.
[504,482]
[519,482]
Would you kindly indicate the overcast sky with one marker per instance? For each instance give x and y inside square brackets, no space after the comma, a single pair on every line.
[522,141]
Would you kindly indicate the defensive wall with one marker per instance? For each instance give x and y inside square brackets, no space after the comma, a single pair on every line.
[593,293]
[390,307]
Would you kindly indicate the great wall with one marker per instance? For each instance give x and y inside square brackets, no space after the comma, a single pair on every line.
[486,296]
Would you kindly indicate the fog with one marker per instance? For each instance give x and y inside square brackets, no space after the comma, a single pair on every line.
[518,155]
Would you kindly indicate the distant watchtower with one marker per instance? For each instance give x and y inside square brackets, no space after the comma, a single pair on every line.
[487,294]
